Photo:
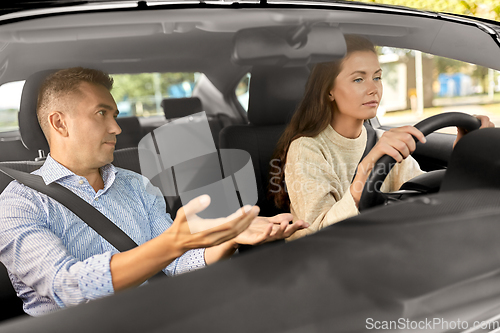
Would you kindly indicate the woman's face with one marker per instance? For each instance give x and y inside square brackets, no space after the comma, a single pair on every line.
[358,87]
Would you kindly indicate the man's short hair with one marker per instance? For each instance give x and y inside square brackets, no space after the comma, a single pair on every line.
[63,83]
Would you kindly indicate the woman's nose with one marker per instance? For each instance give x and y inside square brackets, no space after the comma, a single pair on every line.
[373,88]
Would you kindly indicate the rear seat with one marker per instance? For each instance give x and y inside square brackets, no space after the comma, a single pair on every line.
[14,150]
[181,107]
[131,133]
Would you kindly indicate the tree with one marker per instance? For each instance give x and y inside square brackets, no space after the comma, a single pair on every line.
[489,9]
[133,86]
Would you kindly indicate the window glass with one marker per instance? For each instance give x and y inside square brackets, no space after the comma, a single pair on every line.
[10,98]
[446,85]
[141,94]
[242,91]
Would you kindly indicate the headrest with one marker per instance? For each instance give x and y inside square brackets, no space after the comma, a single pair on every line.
[475,162]
[31,133]
[131,132]
[181,107]
[275,93]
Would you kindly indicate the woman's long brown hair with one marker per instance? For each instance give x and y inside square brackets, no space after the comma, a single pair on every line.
[312,116]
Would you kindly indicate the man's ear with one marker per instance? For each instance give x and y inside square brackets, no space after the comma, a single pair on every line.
[57,123]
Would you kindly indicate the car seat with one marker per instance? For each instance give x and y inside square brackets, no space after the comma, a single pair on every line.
[274,95]
[131,132]
[175,108]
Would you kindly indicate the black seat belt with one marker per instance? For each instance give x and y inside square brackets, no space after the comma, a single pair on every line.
[90,215]
[371,140]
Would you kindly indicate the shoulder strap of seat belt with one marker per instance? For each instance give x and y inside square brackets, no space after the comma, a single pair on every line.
[371,140]
[90,215]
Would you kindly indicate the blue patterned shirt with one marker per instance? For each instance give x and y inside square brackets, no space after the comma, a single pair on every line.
[55,259]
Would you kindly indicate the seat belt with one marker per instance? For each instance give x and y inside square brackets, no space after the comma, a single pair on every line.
[371,140]
[89,214]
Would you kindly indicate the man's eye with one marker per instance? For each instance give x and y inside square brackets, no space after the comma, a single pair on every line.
[101,112]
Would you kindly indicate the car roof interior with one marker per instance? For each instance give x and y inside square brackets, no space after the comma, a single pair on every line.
[164,40]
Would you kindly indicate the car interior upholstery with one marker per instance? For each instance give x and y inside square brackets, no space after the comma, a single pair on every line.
[131,134]
[274,95]
[175,108]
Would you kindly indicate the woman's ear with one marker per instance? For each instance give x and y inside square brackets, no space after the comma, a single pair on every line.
[57,123]
[330,95]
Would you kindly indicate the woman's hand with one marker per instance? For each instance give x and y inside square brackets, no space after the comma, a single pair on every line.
[268,229]
[485,122]
[398,143]
[261,230]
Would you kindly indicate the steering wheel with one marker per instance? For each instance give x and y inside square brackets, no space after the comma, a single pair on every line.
[372,196]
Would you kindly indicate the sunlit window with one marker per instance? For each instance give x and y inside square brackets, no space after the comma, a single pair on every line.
[141,94]
[242,91]
[418,85]
[10,98]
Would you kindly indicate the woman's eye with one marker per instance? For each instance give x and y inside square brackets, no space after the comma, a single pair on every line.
[358,80]
[378,78]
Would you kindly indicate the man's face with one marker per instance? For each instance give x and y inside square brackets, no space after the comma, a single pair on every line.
[92,127]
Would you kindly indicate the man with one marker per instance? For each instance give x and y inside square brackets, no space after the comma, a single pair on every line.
[54,259]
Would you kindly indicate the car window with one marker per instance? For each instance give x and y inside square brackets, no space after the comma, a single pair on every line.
[141,94]
[446,85]
[10,98]
[242,91]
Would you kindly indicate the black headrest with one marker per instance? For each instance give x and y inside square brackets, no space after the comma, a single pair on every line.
[131,132]
[31,133]
[475,162]
[181,107]
[275,93]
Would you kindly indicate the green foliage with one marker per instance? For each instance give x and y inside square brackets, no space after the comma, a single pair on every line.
[469,8]
[489,9]
[131,86]
[446,65]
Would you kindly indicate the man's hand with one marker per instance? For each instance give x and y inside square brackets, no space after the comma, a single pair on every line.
[192,232]
[268,229]
[485,122]
[133,267]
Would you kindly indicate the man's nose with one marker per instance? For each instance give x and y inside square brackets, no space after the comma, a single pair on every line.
[115,128]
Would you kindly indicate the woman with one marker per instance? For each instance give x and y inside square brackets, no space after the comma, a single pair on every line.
[325,140]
